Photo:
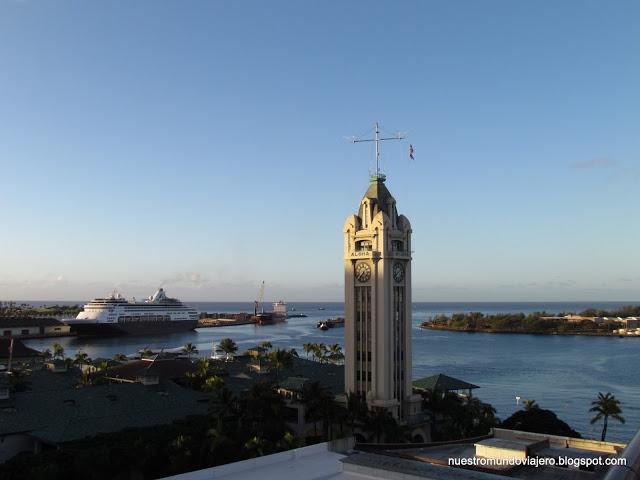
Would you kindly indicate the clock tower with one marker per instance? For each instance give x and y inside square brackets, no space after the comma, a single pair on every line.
[377,263]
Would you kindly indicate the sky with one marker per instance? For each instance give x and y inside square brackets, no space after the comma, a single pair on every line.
[201,146]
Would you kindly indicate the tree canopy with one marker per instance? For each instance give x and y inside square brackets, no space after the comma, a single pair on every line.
[539,420]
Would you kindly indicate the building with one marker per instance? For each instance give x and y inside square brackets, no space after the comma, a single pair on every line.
[147,371]
[499,455]
[28,327]
[450,461]
[20,353]
[56,409]
[377,265]
[443,384]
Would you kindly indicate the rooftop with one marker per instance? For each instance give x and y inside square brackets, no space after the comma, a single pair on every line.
[312,462]
[443,383]
[20,350]
[56,409]
[166,368]
[239,377]
[432,461]
[323,461]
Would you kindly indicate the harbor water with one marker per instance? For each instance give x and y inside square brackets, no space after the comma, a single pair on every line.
[562,373]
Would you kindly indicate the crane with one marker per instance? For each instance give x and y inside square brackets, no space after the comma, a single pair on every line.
[259,301]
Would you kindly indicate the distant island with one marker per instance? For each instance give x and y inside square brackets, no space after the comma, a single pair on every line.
[624,321]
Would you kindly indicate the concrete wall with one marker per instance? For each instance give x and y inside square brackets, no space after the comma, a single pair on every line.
[19,331]
[56,329]
[559,441]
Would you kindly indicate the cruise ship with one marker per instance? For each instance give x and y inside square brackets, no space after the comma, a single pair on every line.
[115,314]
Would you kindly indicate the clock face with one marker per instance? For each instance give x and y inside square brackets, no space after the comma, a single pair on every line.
[398,272]
[363,272]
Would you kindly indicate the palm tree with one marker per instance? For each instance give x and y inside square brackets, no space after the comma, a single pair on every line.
[530,404]
[189,349]
[313,397]
[229,347]
[120,357]
[58,351]
[318,351]
[224,405]
[46,354]
[81,358]
[606,406]
[280,359]
[308,348]
[262,412]
[288,442]
[266,345]
[335,354]
[321,352]
[203,367]
[255,446]
[212,383]
[146,353]
[380,420]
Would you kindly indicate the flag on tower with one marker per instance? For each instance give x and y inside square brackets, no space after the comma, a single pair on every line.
[411,152]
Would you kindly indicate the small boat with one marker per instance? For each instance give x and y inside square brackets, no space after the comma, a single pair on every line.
[330,323]
[321,308]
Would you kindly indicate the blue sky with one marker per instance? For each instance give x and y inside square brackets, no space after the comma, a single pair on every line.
[200,145]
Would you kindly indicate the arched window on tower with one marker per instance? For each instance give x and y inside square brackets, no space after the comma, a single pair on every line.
[363,246]
[397,246]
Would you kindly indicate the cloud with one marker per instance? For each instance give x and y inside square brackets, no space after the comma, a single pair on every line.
[599,162]
[186,278]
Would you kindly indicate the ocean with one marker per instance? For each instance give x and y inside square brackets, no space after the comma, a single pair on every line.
[562,373]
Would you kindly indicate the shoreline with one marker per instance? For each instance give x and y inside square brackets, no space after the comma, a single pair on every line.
[523,332]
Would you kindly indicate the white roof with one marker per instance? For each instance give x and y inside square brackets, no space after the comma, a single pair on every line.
[307,463]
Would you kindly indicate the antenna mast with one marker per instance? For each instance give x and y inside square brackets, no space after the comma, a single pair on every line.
[377,140]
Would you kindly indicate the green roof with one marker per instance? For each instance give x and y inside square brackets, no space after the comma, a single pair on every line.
[55,410]
[380,196]
[238,377]
[443,383]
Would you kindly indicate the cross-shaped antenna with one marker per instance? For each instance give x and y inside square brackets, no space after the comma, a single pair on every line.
[377,139]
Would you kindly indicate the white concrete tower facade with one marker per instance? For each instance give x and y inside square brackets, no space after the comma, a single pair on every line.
[377,262]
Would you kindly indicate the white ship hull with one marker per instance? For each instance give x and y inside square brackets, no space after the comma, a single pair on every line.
[116,316]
